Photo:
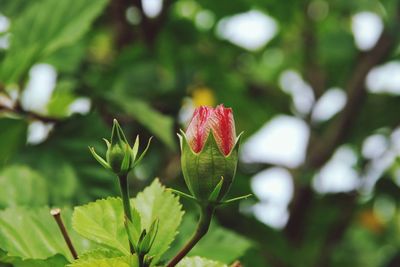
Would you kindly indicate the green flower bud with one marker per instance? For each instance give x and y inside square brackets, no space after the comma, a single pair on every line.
[120,157]
[210,153]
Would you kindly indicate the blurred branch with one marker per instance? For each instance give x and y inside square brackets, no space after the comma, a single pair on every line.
[124,33]
[150,27]
[356,91]
[28,114]
[313,72]
[321,149]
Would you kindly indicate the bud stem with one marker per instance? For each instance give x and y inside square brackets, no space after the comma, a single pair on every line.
[202,228]
[123,184]
[56,213]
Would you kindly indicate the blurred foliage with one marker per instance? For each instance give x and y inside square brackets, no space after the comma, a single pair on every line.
[149,73]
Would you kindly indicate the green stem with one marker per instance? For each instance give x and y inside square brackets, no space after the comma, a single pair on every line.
[202,228]
[141,260]
[123,184]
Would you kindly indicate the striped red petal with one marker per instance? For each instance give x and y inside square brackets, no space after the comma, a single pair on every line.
[199,128]
[223,127]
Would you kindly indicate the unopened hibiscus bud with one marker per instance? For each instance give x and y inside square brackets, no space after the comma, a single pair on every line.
[120,157]
[210,153]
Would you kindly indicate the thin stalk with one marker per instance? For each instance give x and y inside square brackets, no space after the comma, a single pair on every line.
[123,184]
[56,213]
[141,259]
[202,228]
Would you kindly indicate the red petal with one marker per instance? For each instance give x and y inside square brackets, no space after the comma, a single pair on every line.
[223,126]
[199,128]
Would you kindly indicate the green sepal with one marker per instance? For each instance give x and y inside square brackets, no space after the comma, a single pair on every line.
[135,148]
[99,159]
[148,259]
[108,144]
[126,162]
[182,194]
[149,237]
[117,134]
[236,199]
[215,193]
[143,153]
[203,170]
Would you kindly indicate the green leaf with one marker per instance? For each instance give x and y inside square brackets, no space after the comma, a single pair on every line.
[218,244]
[103,222]
[160,125]
[55,261]
[12,137]
[155,202]
[33,234]
[97,254]
[199,262]
[20,185]
[60,23]
[125,261]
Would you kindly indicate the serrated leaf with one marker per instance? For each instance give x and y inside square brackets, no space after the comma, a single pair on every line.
[60,23]
[33,234]
[55,261]
[199,262]
[99,253]
[103,222]
[156,202]
[125,261]
[20,185]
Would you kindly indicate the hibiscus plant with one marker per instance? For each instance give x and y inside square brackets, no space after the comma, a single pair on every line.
[137,232]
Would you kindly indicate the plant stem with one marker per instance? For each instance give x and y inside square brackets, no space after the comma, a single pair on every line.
[202,228]
[56,213]
[141,260]
[123,184]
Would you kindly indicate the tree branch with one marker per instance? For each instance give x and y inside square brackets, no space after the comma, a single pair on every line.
[321,149]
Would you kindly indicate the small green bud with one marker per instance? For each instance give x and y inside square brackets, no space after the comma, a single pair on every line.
[120,157]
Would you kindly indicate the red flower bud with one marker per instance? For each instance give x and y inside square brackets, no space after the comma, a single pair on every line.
[219,121]
[210,153]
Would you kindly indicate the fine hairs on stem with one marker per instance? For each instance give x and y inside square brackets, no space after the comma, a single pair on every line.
[56,213]
[203,225]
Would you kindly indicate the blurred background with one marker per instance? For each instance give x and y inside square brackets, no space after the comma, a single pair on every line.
[315,86]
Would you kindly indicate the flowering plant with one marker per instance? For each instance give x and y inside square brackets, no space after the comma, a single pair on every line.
[137,232]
